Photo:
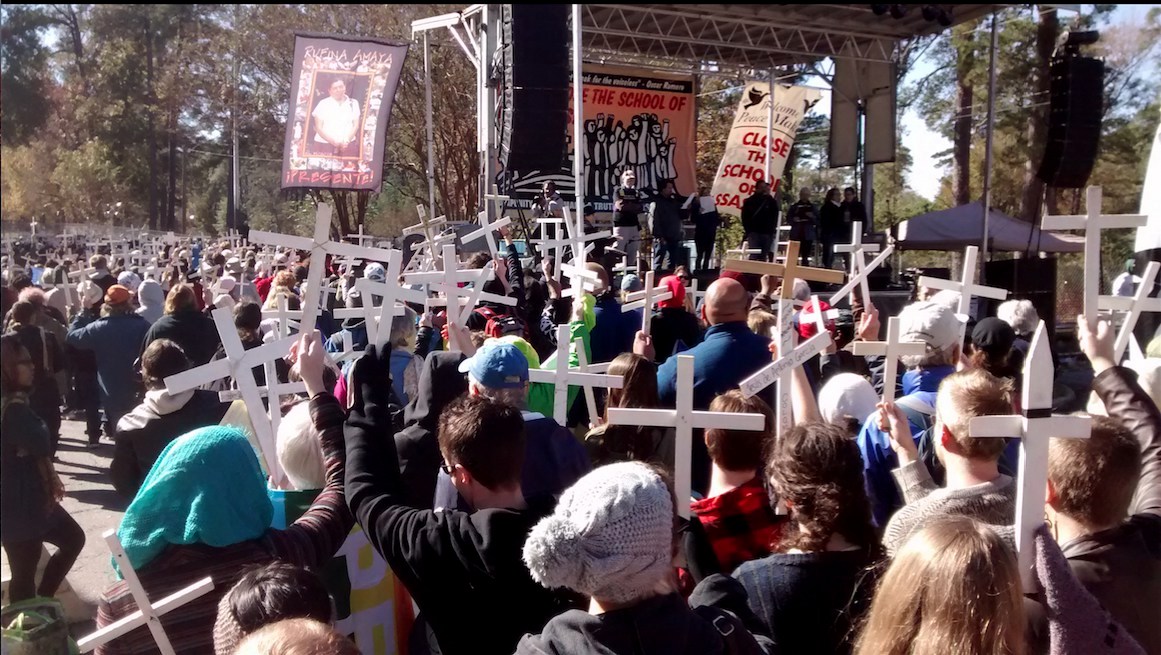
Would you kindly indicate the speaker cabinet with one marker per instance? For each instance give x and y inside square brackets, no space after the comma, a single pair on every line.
[1074,122]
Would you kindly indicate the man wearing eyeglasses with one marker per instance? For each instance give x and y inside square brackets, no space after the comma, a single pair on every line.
[553,458]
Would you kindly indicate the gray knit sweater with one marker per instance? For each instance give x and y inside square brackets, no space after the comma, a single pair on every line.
[993,503]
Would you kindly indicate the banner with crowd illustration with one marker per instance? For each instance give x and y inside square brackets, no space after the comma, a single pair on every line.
[633,120]
[744,162]
[340,103]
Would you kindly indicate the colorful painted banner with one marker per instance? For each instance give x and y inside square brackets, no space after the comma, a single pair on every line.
[744,161]
[633,119]
[371,605]
[340,103]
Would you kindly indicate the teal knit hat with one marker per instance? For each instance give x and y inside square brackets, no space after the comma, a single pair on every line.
[206,487]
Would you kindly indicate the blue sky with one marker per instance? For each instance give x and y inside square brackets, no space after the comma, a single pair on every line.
[924,144]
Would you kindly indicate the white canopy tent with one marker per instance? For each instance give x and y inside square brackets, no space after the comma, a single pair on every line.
[959,227]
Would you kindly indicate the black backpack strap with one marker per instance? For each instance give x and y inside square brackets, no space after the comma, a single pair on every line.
[736,639]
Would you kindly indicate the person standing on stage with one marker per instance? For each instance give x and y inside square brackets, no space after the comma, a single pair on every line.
[854,210]
[759,219]
[705,230]
[549,203]
[804,224]
[832,227]
[665,226]
[627,207]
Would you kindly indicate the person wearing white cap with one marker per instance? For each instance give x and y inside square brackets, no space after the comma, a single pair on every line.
[226,292]
[130,281]
[847,399]
[84,363]
[937,327]
[612,539]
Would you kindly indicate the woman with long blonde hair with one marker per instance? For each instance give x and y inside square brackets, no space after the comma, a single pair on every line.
[953,588]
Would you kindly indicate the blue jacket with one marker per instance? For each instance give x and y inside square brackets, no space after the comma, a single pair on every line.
[553,460]
[614,330]
[728,354]
[879,458]
[115,341]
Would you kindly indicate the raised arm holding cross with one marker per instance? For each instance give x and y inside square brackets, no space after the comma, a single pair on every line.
[789,271]
[1033,428]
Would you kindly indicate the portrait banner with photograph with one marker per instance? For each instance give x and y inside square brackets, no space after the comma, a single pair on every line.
[340,103]
[744,161]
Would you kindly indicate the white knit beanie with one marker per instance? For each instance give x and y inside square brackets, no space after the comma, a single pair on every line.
[611,535]
[847,395]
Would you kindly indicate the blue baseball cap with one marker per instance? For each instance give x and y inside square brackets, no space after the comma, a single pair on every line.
[497,366]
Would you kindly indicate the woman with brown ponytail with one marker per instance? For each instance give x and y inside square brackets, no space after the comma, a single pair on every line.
[810,593]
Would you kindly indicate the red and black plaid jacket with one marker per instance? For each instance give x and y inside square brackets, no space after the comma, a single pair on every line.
[740,524]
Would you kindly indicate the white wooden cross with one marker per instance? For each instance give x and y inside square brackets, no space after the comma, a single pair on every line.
[475,295]
[378,318]
[694,293]
[348,351]
[1092,223]
[239,364]
[856,251]
[585,367]
[496,199]
[426,255]
[427,227]
[556,242]
[624,267]
[891,349]
[273,391]
[966,287]
[581,242]
[581,280]
[487,232]
[819,316]
[785,364]
[448,281]
[284,316]
[320,245]
[359,237]
[860,278]
[124,252]
[788,271]
[148,613]
[684,419]
[1033,428]
[561,377]
[744,252]
[1133,306]
[645,299]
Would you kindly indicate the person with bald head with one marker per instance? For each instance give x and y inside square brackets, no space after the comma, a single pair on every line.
[728,354]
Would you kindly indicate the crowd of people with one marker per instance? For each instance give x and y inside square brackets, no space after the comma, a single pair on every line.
[867,527]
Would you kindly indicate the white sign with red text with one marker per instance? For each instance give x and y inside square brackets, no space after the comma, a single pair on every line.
[744,162]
